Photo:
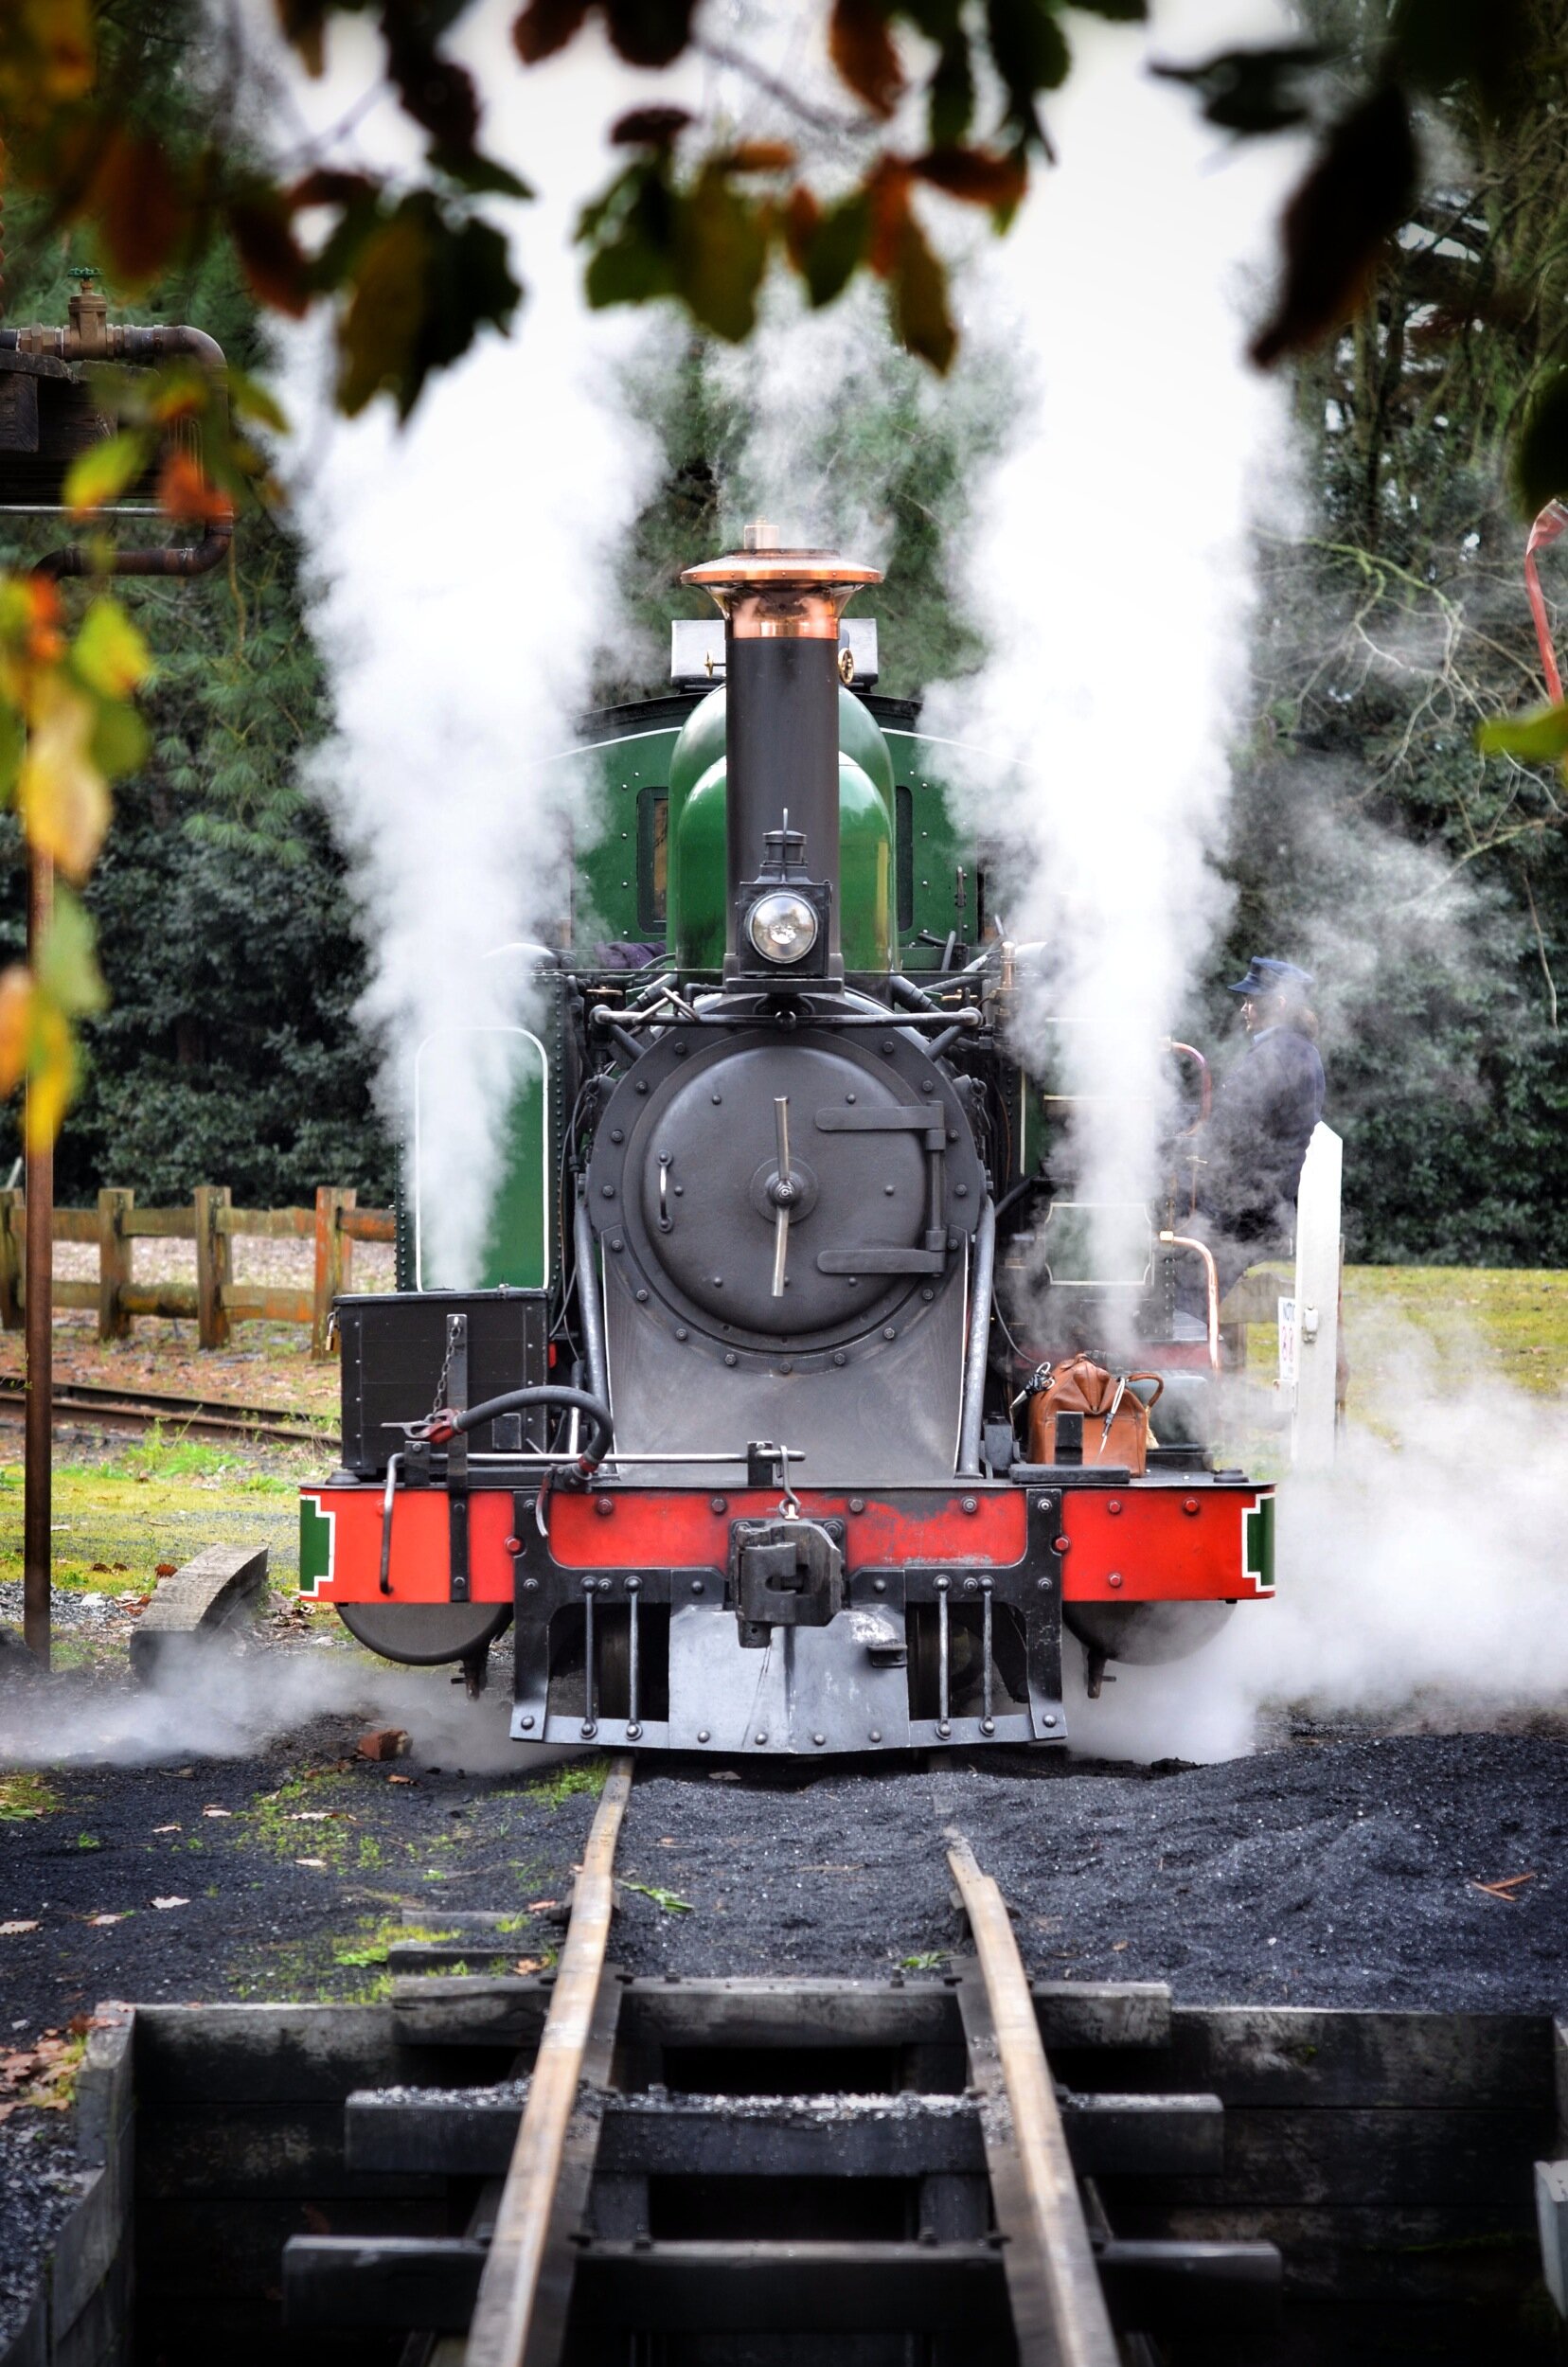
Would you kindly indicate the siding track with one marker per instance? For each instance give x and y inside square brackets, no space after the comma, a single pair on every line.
[731,2172]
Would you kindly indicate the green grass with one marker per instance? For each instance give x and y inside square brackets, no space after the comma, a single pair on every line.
[160,1501]
[170,1454]
[23,1796]
[1515,1318]
[570,1777]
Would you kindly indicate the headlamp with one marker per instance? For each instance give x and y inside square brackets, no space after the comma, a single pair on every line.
[782,926]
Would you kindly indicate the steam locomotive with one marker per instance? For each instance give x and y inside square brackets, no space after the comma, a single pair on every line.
[733,1428]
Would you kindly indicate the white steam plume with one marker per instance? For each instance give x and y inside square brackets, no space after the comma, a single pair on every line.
[1407,1594]
[1111,569]
[463,576]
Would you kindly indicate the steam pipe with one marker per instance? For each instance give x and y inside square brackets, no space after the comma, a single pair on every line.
[198,558]
[1205,1079]
[590,1303]
[91,337]
[979,1344]
[1211,1278]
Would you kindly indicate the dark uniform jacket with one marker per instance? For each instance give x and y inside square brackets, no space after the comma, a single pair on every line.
[1256,1138]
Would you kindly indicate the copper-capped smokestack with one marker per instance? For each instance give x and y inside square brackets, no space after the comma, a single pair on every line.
[782,611]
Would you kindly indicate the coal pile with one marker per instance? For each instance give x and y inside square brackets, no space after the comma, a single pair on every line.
[1342,1873]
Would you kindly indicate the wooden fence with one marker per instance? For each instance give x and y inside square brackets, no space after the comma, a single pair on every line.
[214,1299]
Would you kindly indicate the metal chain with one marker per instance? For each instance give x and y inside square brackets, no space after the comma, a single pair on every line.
[439,1404]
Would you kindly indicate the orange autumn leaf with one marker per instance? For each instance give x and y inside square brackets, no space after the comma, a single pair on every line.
[861,48]
[16,992]
[187,494]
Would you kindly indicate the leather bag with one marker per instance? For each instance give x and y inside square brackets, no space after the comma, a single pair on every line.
[1115,1406]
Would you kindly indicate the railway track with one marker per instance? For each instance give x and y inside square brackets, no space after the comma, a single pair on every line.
[139,1409]
[737,2172]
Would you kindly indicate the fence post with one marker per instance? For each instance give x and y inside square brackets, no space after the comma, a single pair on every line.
[333,1260]
[214,1265]
[11,1262]
[114,1262]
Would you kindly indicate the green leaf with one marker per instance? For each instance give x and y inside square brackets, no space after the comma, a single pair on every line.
[118,741]
[252,401]
[918,286]
[721,254]
[1539,459]
[377,340]
[13,738]
[950,100]
[67,962]
[1030,53]
[633,229]
[1540,737]
[104,471]
[480,175]
[425,285]
[837,247]
[109,653]
[668,1901]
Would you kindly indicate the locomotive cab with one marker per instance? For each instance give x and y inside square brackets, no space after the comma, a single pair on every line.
[736,1427]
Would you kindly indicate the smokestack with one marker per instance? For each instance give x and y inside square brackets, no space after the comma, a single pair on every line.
[782,611]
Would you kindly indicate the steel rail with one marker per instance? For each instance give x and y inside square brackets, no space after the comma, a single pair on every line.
[1059,2314]
[509,2286]
[143,1406]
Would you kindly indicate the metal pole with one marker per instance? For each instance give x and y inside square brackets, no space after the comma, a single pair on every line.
[973,1405]
[39,1314]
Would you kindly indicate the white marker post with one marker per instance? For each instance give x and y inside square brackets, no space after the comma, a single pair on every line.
[1319,1254]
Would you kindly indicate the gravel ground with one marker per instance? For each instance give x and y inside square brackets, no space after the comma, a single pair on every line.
[287,1265]
[1337,1869]
[40,2184]
[1328,1873]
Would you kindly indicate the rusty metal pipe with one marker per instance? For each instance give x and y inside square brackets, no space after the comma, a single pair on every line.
[38,1452]
[196,558]
[1205,1080]
[1211,1276]
[93,338]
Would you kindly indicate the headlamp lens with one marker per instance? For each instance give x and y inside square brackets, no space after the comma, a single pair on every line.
[782,927]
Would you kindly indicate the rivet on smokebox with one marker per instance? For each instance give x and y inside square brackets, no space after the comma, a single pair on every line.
[1189,1504]
[1112,1578]
[604,1506]
[1115,1504]
[857,1503]
[968,1503]
[717,1503]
